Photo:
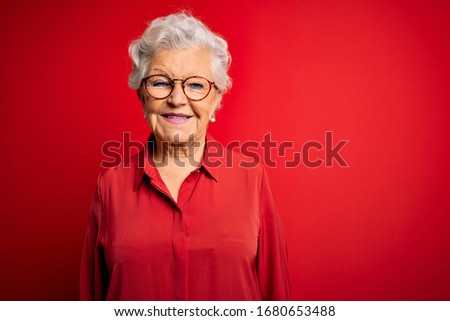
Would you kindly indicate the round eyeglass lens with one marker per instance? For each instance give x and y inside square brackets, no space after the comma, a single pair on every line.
[159,86]
[196,88]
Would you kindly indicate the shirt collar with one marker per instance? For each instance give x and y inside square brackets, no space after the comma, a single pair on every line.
[213,159]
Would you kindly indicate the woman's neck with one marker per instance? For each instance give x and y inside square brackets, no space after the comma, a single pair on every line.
[181,154]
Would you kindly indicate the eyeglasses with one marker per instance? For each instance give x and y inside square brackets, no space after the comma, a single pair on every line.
[160,86]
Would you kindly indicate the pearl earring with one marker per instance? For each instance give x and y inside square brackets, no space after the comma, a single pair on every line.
[145,114]
[213,118]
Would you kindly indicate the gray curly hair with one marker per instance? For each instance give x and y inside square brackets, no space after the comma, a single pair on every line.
[179,31]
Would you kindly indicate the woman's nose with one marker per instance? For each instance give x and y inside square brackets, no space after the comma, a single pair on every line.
[177,97]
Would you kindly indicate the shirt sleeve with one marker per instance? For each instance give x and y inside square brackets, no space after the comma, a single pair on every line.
[94,278]
[272,250]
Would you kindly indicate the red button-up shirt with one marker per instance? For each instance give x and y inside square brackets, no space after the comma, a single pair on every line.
[222,239]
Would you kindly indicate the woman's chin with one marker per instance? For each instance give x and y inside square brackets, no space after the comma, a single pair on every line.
[178,137]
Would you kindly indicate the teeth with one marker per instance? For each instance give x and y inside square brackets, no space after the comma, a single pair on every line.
[176,117]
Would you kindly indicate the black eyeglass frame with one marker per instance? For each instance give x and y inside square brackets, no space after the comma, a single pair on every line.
[172,82]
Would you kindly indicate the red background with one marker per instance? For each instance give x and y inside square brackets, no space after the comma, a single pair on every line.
[373,72]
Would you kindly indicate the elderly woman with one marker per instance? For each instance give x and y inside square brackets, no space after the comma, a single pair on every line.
[183,220]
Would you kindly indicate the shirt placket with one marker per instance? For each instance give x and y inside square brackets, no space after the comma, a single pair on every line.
[180,235]
[180,254]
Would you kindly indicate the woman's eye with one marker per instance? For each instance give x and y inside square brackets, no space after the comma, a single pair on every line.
[160,83]
[196,86]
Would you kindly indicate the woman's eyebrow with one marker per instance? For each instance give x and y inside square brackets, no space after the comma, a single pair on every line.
[161,71]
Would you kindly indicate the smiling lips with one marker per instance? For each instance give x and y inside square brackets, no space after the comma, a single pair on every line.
[175,118]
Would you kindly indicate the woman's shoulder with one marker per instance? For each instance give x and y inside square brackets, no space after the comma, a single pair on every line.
[233,156]
[239,167]
[121,173]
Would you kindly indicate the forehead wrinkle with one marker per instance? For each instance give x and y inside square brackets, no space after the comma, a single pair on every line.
[164,71]
[198,67]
